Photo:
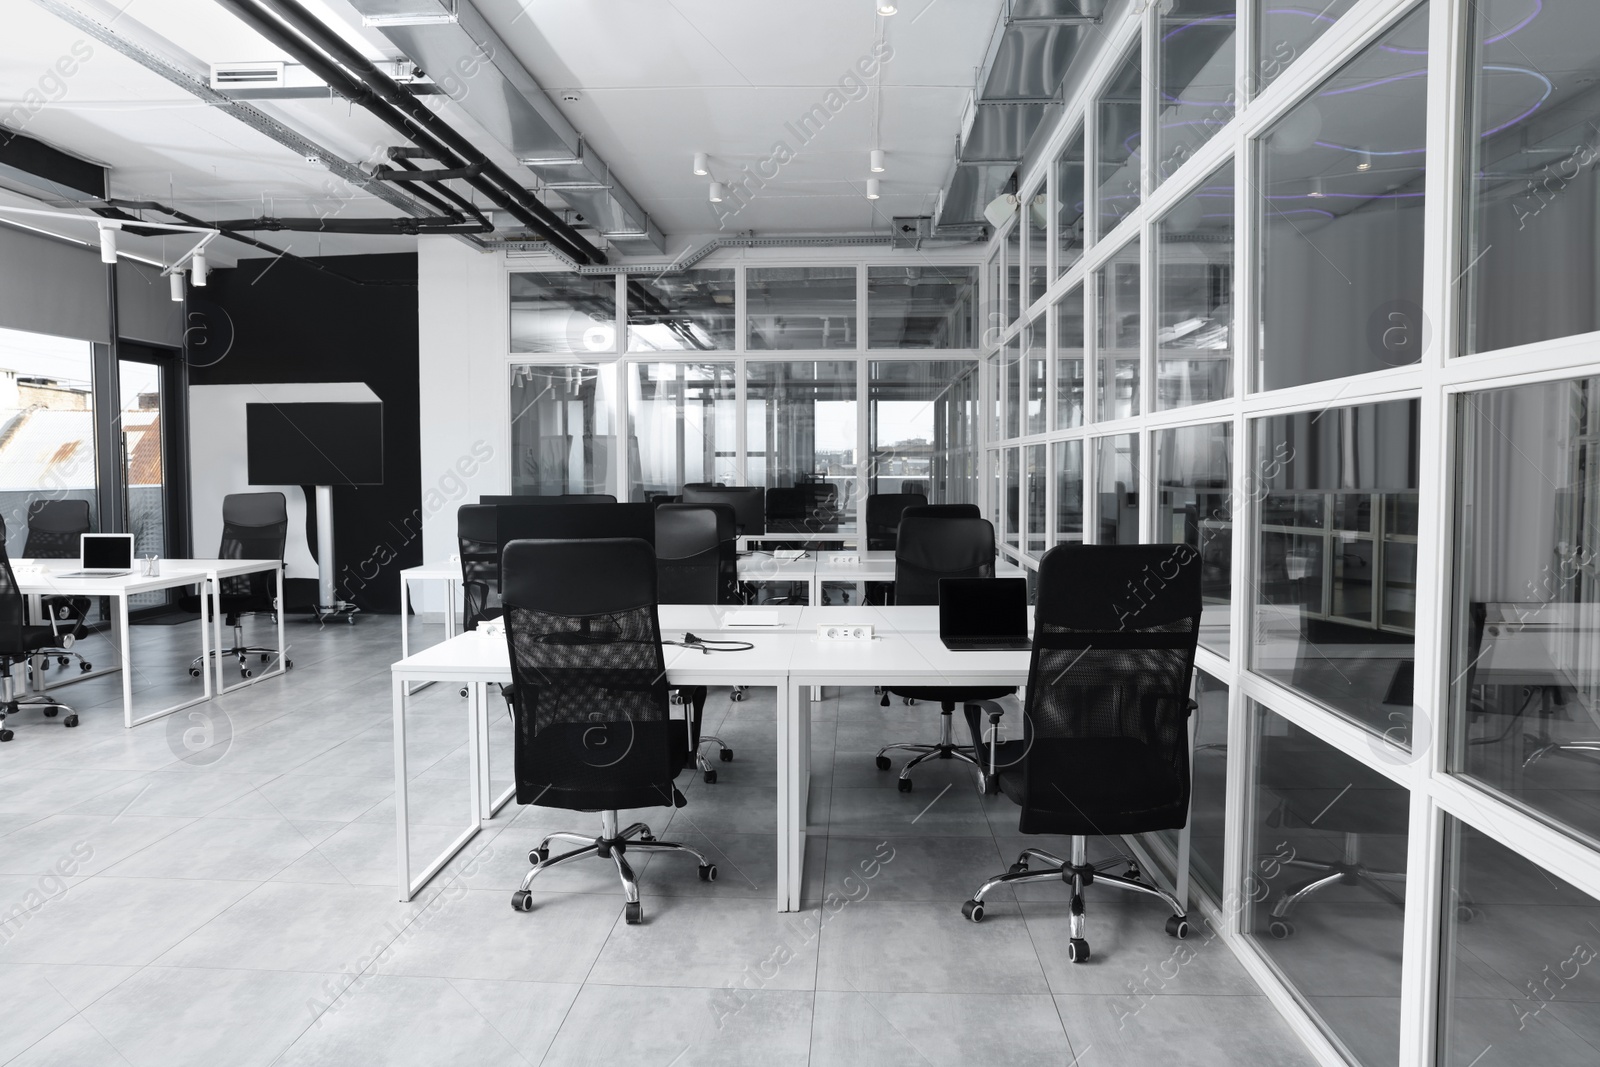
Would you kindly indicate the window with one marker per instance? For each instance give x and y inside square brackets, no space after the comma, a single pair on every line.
[1069,204]
[681,427]
[1336,563]
[562,431]
[1208,785]
[921,428]
[801,307]
[1117,482]
[1014,306]
[47,412]
[1013,501]
[1286,29]
[1036,475]
[1195,508]
[1069,359]
[1036,240]
[1194,296]
[1117,309]
[1118,113]
[563,313]
[801,443]
[1035,367]
[1011,383]
[922,307]
[689,311]
[1340,277]
[1532,227]
[1069,491]
[1197,94]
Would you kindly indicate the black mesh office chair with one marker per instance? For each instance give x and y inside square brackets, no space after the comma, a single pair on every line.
[55,531]
[20,642]
[883,517]
[696,551]
[930,549]
[941,511]
[1105,745]
[477,540]
[254,526]
[588,696]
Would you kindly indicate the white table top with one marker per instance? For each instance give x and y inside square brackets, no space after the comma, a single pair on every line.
[442,570]
[47,576]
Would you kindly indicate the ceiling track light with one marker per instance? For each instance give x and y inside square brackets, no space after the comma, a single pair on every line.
[1366,161]
[886,7]
[198,268]
[717,193]
[175,279]
[702,166]
[873,189]
[1317,191]
[108,242]
[876,166]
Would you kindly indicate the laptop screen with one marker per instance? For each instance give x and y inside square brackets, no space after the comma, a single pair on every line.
[983,607]
[107,552]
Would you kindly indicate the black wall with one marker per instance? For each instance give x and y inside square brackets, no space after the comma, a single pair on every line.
[290,322]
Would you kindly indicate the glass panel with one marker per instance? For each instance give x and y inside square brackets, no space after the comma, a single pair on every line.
[1069,491]
[1325,557]
[1117,479]
[1208,785]
[1069,205]
[561,313]
[994,316]
[800,307]
[1197,94]
[142,480]
[1013,489]
[921,427]
[801,439]
[1117,168]
[47,404]
[1525,703]
[1069,360]
[563,429]
[1014,273]
[689,311]
[1117,306]
[1287,28]
[1194,296]
[1341,219]
[1011,385]
[1195,482]
[1532,192]
[1035,369]
[1036,223]
[1518,960]
[996,368]
[922,307]
[1317,812]
[1033,458]
[682,427]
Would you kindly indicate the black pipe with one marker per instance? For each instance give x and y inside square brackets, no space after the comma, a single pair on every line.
[330,224]
[440,190]
[401,111]
[387,174]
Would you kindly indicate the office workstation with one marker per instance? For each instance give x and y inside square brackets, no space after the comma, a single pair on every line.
[1038,531]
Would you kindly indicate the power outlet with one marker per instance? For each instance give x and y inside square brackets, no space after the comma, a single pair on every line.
[852,559]
[845,633]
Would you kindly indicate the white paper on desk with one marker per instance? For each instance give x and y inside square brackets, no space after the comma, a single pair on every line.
[753,617]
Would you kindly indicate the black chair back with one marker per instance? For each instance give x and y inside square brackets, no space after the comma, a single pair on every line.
[13,611]
[589,690]
[254,526]
[1106,718]
[883,516]
[942,511]
[55,528]
[689,551]
[931,548]
[478,543]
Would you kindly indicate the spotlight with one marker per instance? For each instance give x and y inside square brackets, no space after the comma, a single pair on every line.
[1000,209]
[701,166]
[108,242]
[175,279]
[1366,161]
[886,7]
[1317,192]
[717,192]
[199,268]
[876,166]
[872,189]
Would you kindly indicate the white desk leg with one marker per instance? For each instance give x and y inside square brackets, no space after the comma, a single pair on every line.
[798,714]
[450,607]
[401,813]
[1188,829]
[283,648]
[127,660]
[405,617]
[786,771]
[480,700]
[475,768]
[216,631]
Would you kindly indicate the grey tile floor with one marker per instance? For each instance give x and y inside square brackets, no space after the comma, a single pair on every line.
[218,888]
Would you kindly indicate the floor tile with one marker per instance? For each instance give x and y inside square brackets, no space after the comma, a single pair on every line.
[937,1029]
[684,1026]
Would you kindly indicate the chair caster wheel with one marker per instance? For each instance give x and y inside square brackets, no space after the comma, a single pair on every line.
[85,666]
[726,755]
[522,900]
[244,672]
[647,837]
[708,872]
[710,777]
[6,735]
[265,657]
[1017,868]
[61,661]
[537,856]
[882,762]
[903,784]
[633,913]
[973,910]
[463,690]
[907,701]
[1131,872]
[70,720]
[194,672]
[1280,928]
[1178,927]
[51,713]
[1078,950]
[288,664]
[736,695]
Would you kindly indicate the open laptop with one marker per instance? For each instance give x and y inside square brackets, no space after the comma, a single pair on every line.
[103,556]
[983,614]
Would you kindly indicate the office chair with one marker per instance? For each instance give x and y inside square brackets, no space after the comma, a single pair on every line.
[695,554]
[941,511]
[930,549]
[883,517]
[55,529]
[254,526]
[478,543]
[19,643]
[1105,745]
[588,697]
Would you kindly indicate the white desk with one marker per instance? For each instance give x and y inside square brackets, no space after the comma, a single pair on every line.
[218,569]
[448,572]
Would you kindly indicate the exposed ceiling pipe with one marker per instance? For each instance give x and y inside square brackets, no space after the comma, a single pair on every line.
[306,39]
[437,192]
[689,259]
[331,224]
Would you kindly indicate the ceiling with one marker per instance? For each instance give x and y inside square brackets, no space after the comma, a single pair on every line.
[655,81]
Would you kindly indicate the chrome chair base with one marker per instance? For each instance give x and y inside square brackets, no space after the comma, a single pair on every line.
[1348,871]
[11,706]
[241,652]
[944,748]
[610,845]
[724,755]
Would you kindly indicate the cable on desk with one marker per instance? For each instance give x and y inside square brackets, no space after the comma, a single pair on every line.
[707,647]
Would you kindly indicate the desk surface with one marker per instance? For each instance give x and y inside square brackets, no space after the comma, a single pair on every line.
[36,576]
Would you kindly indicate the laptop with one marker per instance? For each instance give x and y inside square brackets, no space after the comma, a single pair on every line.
[103,556]
[983,614]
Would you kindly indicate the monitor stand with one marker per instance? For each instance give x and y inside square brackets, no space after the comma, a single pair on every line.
[327,607]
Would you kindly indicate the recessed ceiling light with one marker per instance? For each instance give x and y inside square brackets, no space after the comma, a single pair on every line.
[1366,161]
[877,161]
[702,166]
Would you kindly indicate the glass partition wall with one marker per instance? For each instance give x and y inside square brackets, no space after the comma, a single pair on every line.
[1356,318]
